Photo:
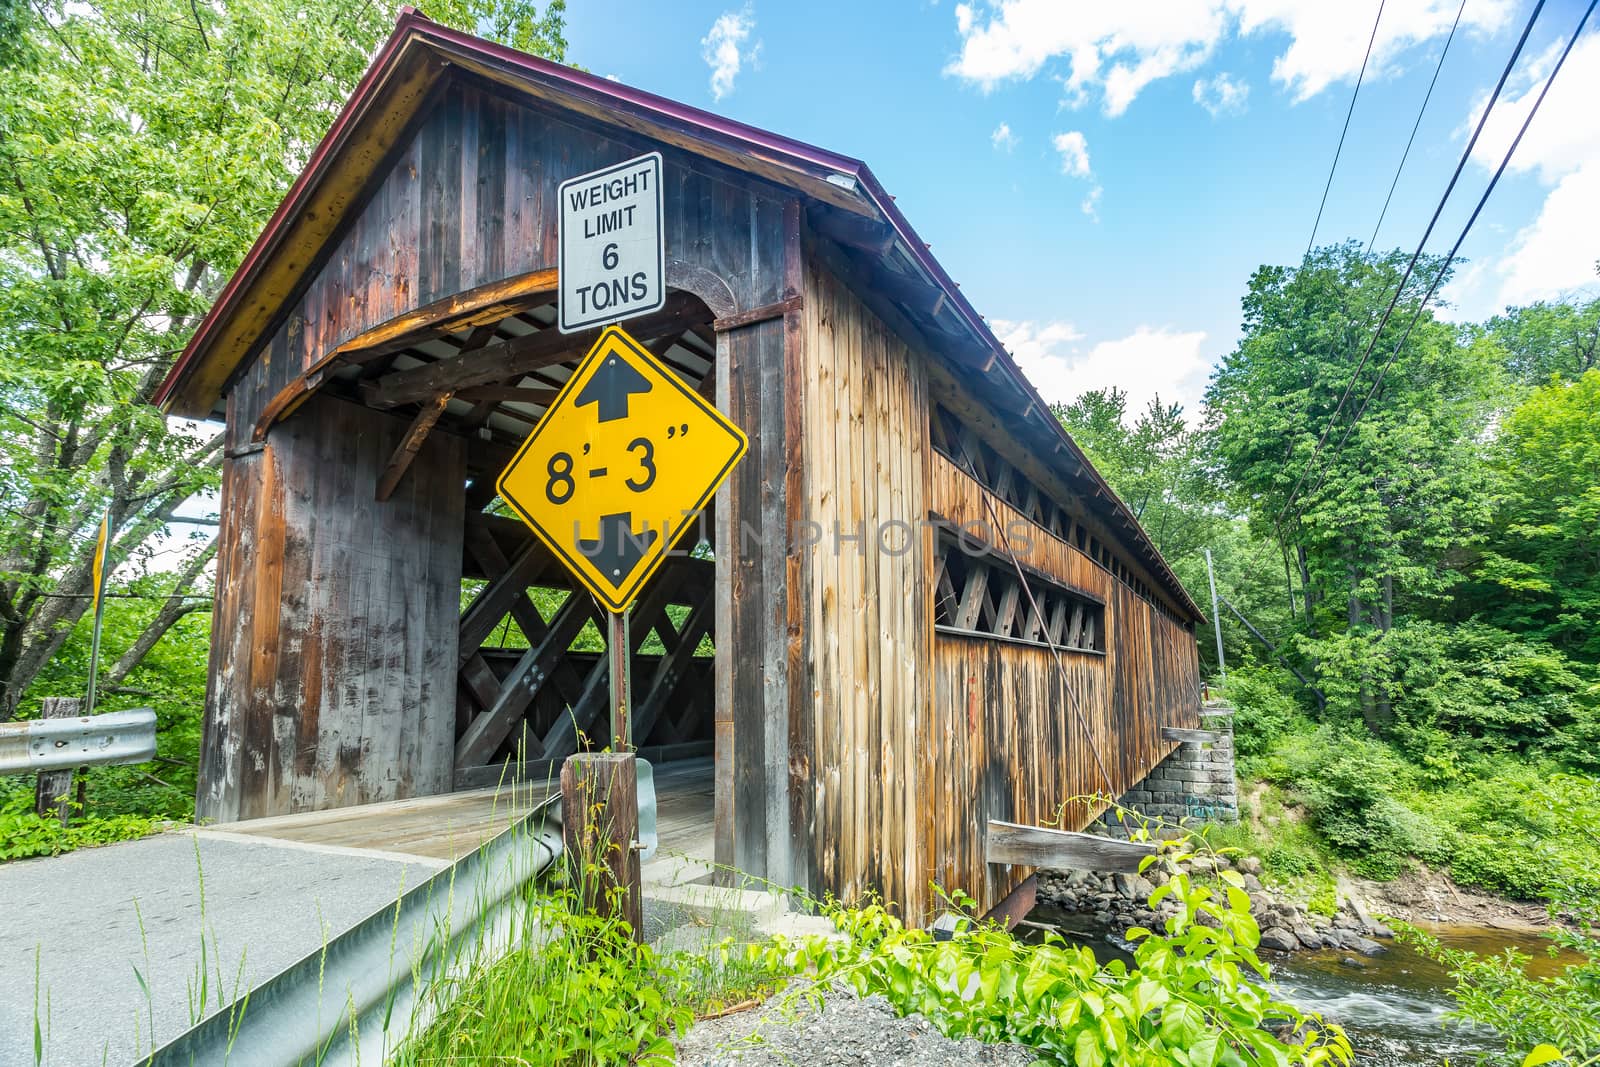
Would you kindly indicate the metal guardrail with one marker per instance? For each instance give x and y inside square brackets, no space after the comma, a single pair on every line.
[81,741]
[356,998]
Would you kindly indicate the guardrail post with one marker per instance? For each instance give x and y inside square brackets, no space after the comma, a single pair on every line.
[53,793]
[600,823]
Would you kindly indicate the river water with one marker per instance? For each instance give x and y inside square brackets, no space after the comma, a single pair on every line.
[1394,1007]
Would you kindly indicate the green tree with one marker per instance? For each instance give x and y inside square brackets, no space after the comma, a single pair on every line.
[1545,339]
[1542,566]
[1376,519]
[1155,465]
[1163,469]
[142,147]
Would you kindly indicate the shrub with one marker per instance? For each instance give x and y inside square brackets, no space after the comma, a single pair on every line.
[1541,1019]
[1352,789]
[24,834]
[1263,710]
[1195,994]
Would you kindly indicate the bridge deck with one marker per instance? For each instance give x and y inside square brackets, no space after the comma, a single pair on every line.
[446,827]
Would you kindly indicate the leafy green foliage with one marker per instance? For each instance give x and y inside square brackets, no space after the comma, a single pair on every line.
[142,148]
[24,834]
[1500,823]
[1546,340]
[1541,573]
[1264,711]
[1195,995]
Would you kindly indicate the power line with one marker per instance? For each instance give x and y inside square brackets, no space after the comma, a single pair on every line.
[1416,126]
[1412,265]
[1337,152]
[1456,248]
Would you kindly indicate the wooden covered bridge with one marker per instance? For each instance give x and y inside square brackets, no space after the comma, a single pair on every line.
[916,608]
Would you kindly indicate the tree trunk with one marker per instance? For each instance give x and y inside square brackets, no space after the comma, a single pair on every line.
[1306,597]
[173,610]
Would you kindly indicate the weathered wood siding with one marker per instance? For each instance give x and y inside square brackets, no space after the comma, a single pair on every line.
[471,199]
[1008,739]
[333,656]
[865,405]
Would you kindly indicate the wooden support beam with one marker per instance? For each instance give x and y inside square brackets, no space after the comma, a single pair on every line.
[52,791]
[1038,846]
[509,586]
[492,727]
[1017,903]
[508,394]
[482,305]
[562,737]
[1190,737]
[673,668]
[913,294]
[853,231]
[518,356]
[600,821]
[1005,613]
[410,445]
[742,319]
[972,597]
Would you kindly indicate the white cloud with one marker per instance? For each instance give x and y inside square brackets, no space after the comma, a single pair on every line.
[1002,137]
[1222,95]
[1149,362]
[1074,150]
[1091,203]
[1564,135]
[1119,48]
[1328,40]
[726,50]
[1558,250]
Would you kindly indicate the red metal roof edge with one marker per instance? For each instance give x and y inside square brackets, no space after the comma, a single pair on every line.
[690,119]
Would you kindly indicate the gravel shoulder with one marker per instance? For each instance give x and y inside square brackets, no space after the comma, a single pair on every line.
[789,1032]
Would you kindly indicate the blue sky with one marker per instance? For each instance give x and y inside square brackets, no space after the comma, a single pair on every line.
[1102,178]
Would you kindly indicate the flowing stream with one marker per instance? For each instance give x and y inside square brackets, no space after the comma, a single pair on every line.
[1394,1006]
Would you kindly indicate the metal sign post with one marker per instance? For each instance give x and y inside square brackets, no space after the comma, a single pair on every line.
[619,653]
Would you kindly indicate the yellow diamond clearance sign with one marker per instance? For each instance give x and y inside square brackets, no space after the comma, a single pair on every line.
[623,461]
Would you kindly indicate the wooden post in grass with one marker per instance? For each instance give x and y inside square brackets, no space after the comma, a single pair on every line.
[599,823]
[53,793]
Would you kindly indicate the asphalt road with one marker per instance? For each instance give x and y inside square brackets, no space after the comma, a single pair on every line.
[188,913]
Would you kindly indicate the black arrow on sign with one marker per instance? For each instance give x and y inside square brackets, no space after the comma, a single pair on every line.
[618,549]
[612,384]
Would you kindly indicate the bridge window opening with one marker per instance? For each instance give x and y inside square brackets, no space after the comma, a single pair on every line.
[959,443]
[979,594]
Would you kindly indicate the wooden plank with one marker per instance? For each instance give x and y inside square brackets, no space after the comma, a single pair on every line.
[513,394]
[739,320]
[1190,737]
[1038,846]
